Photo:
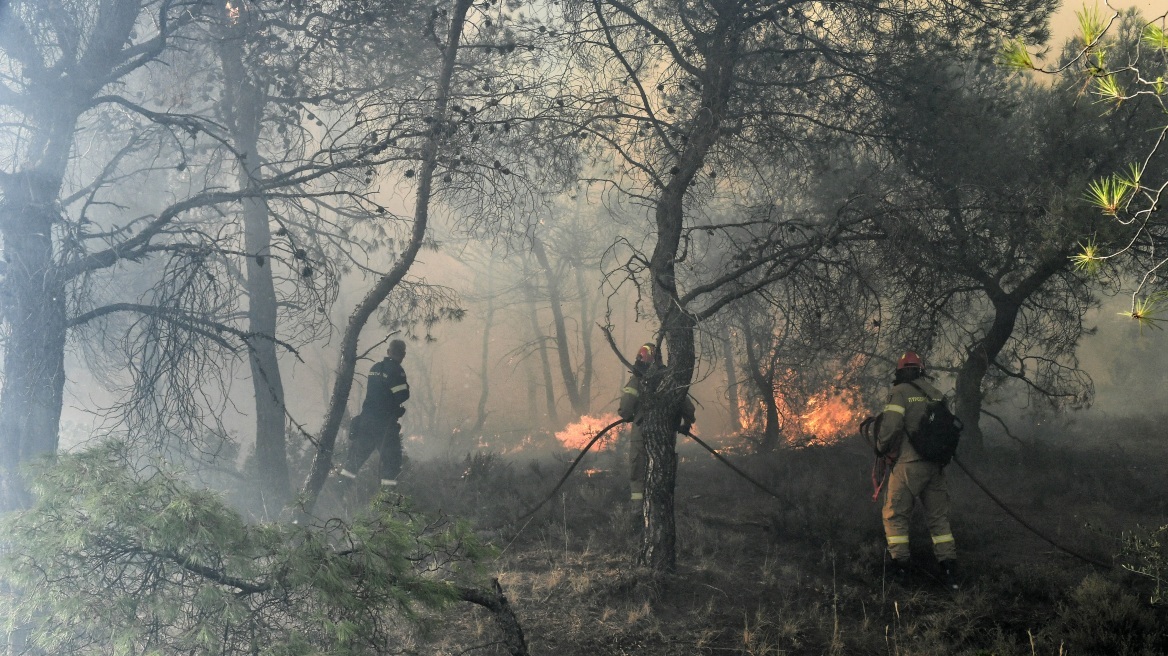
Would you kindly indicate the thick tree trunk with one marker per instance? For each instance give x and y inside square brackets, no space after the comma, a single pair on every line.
[658,549]
[662,396]
[664,401]
[244,106]
[968,391]
[32,305]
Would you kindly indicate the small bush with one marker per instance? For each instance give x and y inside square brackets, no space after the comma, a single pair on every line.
[1145,552]
[1102,618]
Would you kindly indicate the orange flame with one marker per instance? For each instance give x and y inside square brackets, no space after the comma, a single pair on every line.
[830,416]
[576,436]
[825,417]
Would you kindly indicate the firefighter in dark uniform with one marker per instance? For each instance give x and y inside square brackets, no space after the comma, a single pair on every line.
[377,426]
[912,477]
[630,410]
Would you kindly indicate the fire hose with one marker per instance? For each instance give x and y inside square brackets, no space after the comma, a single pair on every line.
[865,428]
[601,434]
[571,468]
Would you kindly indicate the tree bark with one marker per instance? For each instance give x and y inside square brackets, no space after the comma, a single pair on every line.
[32,304]
[658,547]
[32,296]
[244,107]
[763,378]
[968,392]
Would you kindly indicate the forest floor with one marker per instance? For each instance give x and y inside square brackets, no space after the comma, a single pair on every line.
[803,572]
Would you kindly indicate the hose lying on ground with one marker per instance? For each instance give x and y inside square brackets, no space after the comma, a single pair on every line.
[572,467]
[765,489]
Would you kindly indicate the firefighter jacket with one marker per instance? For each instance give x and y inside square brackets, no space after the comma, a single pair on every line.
[903,415]
[388,390]
[630,404]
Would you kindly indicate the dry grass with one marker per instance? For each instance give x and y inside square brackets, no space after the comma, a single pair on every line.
[804,573]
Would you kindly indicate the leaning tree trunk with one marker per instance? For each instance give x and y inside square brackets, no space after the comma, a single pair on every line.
[244,106]
[322,461]
[32,306]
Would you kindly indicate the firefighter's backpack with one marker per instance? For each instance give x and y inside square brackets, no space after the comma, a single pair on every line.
[936,439]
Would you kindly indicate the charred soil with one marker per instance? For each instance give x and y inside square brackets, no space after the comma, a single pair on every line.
[803,571]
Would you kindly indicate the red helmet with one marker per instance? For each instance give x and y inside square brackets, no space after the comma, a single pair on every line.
[647,354]
[909,359]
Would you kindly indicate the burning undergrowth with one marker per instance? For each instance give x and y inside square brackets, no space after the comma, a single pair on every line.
[577,435]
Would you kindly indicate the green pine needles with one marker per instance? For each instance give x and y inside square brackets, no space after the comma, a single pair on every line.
[1113,193]
[116,558]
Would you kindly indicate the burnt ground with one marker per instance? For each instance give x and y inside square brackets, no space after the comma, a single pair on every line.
[802,572]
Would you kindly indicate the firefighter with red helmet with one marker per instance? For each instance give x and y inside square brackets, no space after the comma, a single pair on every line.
[630,410]
[912,477]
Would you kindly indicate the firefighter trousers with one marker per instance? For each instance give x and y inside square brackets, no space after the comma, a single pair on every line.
[918,480]
[384,435]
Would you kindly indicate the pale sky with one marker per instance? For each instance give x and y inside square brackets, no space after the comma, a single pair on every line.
[1064,24]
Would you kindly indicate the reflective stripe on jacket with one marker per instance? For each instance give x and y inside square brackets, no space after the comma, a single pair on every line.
[388,389]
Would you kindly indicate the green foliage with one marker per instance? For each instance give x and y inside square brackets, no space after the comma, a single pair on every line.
[1088,260]
[1121,59]
[1155,37]
[119,558]
[1109,194]
[1015,55]
[1144,310]
[1108,89]
[1091,24]
[1145,552]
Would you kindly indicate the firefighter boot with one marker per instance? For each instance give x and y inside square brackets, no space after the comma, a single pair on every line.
[949,574]
[344,480]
